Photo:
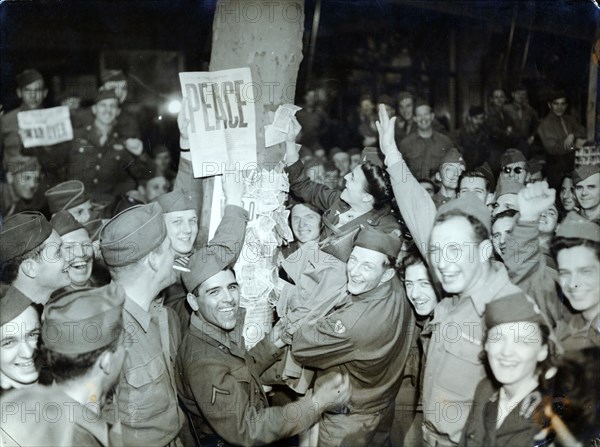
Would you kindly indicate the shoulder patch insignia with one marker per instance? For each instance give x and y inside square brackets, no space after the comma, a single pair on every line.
[339,327]
[216,391]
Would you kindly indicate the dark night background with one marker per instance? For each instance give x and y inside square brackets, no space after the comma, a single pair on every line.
[450,51]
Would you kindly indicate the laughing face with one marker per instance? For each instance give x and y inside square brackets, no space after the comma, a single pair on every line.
[419,290]
[18,340]
[182,229]
[306,223]
[218,300]
[79,255]
[366,270]
[579,275]
[514,351]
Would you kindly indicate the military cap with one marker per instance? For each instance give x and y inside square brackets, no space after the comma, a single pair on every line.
[63,222]
[204,264]
[13,303]
[27,77]
[22,163]
[476,110]
[511,309]
[113,76]
[175,201]
[93,228]
[508,186]
[576,226]
[132,234]
[469,205]
[583,172]
[66,195]
[105,93]
[512,156]
[452,156]
[376,240]
[84,320]
[22,233]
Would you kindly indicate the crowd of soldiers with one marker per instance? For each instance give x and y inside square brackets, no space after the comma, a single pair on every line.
[466,317]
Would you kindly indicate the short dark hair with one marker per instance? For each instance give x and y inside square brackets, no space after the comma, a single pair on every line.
[10,269]
[479,229]
[506,213]
[475,174]
[62,368]
[562,243]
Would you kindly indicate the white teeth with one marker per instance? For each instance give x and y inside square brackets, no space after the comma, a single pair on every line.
[25,365]
[227,309]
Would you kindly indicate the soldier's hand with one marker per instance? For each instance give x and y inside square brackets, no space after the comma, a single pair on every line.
[183,121]
[135,146]
[568,143]
[233,186]
[534,199]
[334,392]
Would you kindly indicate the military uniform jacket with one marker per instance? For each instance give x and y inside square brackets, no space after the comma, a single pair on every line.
[218,384]
[368,337]
[453,368]
[46,416]
[517,429]
[577,333]
[145,401]
[424,155]
[328,200]
[106,170]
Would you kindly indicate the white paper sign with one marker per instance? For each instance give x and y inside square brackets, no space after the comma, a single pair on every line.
[220,107]
[45,127]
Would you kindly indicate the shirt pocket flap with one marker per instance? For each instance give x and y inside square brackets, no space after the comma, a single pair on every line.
[142,375]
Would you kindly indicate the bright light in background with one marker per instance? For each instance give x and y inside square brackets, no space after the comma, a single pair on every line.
[174,106]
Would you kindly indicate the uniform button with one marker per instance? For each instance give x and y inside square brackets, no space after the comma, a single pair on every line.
[99,155]
[95,180]
[97,167]
[81,150]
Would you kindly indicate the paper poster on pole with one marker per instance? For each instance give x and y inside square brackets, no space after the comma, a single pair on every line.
[220,107]
[45,127]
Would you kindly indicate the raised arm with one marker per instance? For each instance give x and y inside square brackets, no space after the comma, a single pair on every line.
[415,204]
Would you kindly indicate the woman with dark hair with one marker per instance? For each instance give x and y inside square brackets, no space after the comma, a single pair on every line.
[567,198]
[366,199]
[518,351]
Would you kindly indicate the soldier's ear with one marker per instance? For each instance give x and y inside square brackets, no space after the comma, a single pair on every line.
[192,301]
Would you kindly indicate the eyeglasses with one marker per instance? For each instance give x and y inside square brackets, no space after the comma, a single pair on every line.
[508,169]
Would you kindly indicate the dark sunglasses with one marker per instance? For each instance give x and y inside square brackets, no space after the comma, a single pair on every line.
[508,169]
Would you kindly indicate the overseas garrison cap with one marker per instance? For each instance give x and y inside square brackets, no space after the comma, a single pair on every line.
[578,227]
[512,156]
[27,77]
[84,320]
[513,308]
[468,204]
[132,234]
[378,241]
[452,156]
[63,222]
[22,163]
[205,263]
[583,172]
[93,228]
[175,201]
[508,186]
[66,195]
[105,93]
[12,303]
[113,76]
[21,233]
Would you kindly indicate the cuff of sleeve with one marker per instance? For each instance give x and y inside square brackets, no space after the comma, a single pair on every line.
[184,144]
[233,211]
[295,169]
[393,158]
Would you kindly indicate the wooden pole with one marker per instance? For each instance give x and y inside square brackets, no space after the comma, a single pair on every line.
[592,92]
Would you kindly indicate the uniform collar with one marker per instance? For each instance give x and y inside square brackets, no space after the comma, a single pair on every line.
[142,317]
[497,279]
[380,292]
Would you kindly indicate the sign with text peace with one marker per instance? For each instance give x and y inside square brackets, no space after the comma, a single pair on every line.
[220,107]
